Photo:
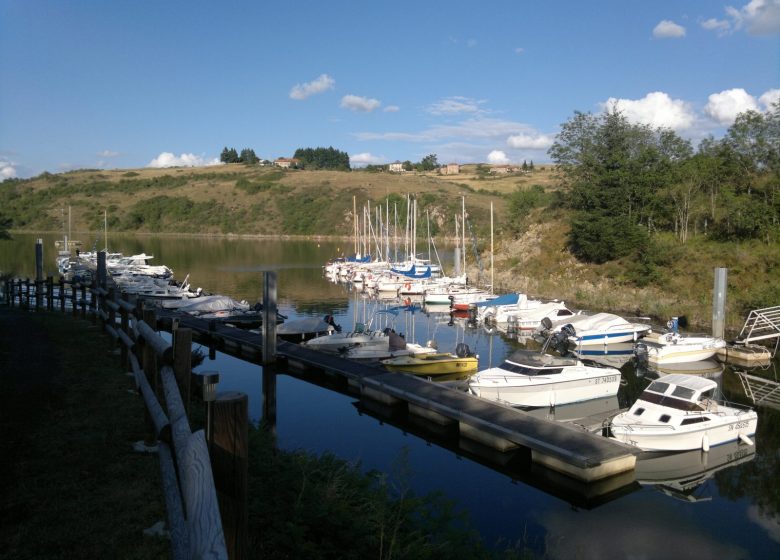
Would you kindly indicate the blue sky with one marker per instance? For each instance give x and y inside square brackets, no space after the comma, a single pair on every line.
[94,84]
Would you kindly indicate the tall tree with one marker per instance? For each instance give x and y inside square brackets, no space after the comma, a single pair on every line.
[248,156]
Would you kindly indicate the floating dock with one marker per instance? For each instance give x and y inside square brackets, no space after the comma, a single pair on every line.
[563,448]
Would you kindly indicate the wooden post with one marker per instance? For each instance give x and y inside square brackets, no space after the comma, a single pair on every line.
[719,302]
[38,274]
[229,463]
[101,269]
[93,301]
[125,328]
[149,365]
[50,293]
[83,301]
[182,363]
[73,298]
[269,317]
[269,397]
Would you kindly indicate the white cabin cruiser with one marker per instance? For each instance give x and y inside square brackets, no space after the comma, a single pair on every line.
[679,412]
[533,379]
[675,348]
[601,328]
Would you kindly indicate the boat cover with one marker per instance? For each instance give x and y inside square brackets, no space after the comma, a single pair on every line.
[208,304]
[506,299]
[536,359]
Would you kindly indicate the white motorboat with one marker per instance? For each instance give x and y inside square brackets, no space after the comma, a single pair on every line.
[531,318]
[496,310]
[675,348]
[679,412]
[533,379]
[601,328]
[362,335]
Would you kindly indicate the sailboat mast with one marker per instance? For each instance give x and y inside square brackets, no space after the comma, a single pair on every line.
[492,270]
[355,220]
[463,230]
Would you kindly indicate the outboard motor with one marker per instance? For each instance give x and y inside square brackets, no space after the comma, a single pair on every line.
[560,342]
[462,350]
[545,325]
[640,352]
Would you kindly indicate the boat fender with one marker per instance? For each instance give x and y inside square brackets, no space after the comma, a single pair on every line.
[745,439]
[705,443]
[408,286]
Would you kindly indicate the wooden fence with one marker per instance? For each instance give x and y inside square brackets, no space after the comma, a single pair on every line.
[207,517]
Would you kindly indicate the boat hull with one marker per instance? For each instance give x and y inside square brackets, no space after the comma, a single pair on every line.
[533,391]
[669,438]
[436,364]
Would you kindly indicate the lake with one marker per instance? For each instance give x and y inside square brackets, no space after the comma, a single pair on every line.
[725,504]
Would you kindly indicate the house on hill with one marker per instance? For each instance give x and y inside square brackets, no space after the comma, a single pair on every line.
[396,167]
[286,163]
[450,169]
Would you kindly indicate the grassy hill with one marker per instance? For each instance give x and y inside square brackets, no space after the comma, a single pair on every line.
[236,199]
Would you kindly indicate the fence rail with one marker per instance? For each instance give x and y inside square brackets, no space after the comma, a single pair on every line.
[162,372]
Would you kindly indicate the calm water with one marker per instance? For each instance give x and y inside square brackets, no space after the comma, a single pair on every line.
[725,504]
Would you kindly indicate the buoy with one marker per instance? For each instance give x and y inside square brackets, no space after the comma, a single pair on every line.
[745,439]
[705,443]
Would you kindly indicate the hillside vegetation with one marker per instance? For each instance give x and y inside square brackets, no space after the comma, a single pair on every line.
[531,226]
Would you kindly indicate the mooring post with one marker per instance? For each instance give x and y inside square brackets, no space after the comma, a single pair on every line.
[182,363]
[269,317]
[101,269]
[229,463]
[38,274]
[50,293]
[62,294]
[74,299]
[27,288]
[269,398]
[719,302]
[83,301]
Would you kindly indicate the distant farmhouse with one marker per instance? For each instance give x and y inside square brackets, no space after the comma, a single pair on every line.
[450,169]
[286,163]
[396,167]
[502,169]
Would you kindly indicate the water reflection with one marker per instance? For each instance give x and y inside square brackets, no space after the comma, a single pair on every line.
[543,509]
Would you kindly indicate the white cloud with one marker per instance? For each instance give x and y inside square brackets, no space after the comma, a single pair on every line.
[391,109]
[456,105]
[720,26]
[489,130]
[357,103]
[656,109]
[530,141]
[758,17]
[7,170]
[365,158]
[724,107]
[768,98]
[667,29]
[107,154]
[497,156]
[167,159]
[519,50]
[321,84]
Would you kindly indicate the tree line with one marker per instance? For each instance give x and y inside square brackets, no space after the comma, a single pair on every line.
[627,182]
[247,155]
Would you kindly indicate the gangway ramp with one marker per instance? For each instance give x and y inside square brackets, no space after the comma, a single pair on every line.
[763,392]
[760,325]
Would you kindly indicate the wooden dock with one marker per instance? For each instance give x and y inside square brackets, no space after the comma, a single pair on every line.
[561,447]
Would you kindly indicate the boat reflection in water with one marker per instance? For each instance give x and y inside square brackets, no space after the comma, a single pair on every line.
[711,368]
[589,415]
[683,475]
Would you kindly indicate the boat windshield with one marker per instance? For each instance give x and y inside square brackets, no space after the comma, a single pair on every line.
[683,393]
[658,387]
[524,370]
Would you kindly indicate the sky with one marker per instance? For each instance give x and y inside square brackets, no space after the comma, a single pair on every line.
[128,84]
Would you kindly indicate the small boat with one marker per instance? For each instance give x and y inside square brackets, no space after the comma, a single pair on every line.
[601,328]
[362,335]
[679,412]
[462,361]
[529,378]
[675,348]
[299,330]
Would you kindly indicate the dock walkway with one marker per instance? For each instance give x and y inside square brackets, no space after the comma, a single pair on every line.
[564,448]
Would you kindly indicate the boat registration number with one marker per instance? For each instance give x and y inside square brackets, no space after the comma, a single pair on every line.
[739,425]
[607,379]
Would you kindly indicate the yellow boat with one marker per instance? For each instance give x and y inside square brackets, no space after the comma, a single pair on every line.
[440,363]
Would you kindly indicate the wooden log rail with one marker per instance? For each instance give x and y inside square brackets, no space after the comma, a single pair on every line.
[192,507]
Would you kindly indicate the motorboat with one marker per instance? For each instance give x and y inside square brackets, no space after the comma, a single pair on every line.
[299,330]
[392,350]
[496,310]
[361,335]
[601,328]
[529,378]
[676,348]
[679,412]
[462,361]
[614,355]
[531,318]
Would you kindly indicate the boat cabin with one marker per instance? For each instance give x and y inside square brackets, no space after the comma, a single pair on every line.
[678,392]
[526,362]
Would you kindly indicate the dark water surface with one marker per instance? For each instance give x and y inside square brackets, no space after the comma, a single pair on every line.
[724,504]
